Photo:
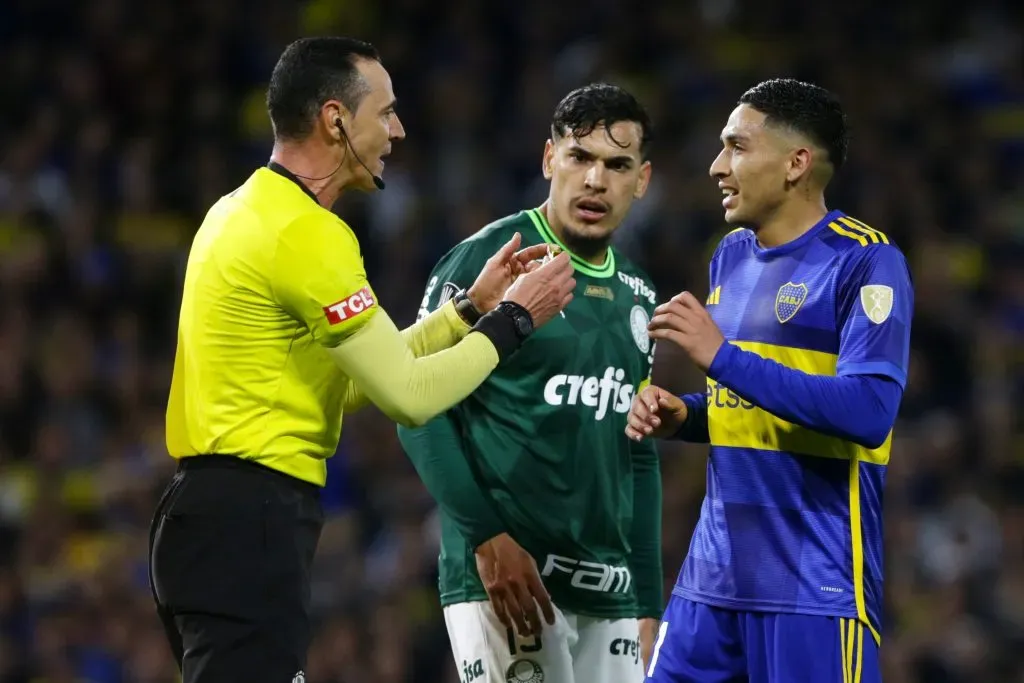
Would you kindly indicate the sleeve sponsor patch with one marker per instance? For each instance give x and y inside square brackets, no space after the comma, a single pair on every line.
[877,301]
[350,306]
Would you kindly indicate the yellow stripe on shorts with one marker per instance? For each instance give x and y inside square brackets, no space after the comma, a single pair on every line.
[851,638]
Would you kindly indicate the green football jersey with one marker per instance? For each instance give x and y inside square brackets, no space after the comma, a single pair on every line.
[545,433]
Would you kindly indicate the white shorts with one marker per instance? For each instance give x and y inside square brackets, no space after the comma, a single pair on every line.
[576,649]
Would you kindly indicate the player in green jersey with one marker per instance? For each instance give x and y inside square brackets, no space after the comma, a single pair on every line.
[543,498]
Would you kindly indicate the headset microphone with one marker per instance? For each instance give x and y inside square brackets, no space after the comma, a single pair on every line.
[377,180]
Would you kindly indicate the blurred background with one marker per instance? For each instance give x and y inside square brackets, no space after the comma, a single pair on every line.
[121,122]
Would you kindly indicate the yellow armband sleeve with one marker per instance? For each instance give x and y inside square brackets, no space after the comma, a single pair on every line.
[411,390]
[436,332]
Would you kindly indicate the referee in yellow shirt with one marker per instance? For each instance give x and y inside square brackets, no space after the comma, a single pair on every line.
[279,334]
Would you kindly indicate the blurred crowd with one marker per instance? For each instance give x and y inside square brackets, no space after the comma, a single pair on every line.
[121,122]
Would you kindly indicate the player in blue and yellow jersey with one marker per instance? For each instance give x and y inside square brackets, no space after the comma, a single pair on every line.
[805,341]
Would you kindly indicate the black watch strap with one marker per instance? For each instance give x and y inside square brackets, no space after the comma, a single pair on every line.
[520,316]
[465,308]
[503,330]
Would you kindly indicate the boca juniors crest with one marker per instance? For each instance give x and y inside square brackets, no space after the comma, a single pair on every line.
[789,300]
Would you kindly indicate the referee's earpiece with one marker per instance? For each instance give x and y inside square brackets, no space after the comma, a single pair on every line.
[377,180]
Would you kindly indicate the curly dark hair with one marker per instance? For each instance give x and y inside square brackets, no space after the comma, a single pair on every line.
[600,104]
[805,108]
[310,72]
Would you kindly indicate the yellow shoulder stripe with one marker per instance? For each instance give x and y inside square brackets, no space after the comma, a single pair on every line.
[847,233]
[859,226]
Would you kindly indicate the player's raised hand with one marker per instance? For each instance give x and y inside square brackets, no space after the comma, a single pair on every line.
[545,290]
[501,270]
[687,324]
[655,413]
[513,584]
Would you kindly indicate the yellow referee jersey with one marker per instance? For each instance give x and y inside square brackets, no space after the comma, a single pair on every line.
[273,281]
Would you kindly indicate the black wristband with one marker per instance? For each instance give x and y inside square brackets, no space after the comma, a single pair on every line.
[501,330]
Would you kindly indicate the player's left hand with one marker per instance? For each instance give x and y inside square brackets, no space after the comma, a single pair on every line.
[687,324]
[501,270]
[648,635]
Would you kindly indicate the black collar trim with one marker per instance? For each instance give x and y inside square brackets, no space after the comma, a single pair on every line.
[281,170]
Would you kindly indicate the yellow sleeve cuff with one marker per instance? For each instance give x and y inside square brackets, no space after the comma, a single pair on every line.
[441,329]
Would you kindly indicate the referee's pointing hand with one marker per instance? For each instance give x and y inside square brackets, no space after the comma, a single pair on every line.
[501,270]
[546,290]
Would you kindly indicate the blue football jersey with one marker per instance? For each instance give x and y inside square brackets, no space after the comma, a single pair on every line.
[792,518]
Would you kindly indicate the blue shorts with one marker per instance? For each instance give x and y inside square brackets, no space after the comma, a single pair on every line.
[698,643]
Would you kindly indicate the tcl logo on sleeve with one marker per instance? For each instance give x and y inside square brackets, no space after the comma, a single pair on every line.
[350,307]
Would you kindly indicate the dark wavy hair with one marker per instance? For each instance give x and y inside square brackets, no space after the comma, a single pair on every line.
[805,108]
[600,104]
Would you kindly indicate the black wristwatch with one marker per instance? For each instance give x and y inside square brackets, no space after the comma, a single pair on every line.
[465,308]
[521,318]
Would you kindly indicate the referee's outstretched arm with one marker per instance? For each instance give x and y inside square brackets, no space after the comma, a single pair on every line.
[438,331]
[448,324]
[317,278]
[381,365]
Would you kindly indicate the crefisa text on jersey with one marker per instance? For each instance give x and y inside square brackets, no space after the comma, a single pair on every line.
[638,286]
[593,392]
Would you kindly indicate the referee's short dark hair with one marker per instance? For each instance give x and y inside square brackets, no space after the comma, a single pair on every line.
[310,72]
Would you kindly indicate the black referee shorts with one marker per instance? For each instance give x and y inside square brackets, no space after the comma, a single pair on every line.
[231,547]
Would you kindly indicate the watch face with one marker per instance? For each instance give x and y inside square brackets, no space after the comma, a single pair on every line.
[522,321]
[524,325]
